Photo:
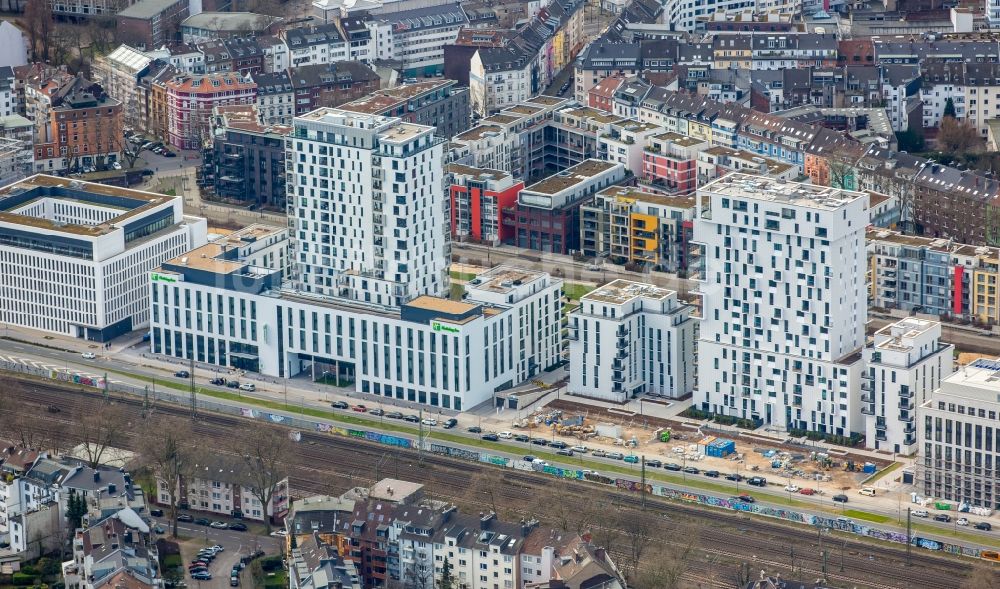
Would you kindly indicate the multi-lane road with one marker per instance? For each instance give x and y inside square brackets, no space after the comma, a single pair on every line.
[324,464]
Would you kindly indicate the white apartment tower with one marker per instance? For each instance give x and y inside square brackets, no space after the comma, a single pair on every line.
[629,338]
[782,272]
[905,363]
[367,206]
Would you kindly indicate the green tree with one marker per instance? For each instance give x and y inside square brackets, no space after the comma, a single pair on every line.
[911,140]
[76,508]
[447,580]
[949,108]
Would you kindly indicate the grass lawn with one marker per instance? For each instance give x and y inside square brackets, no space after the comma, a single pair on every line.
[462,275]
[575,290]
[878,475]
[871,517]
[172,560]
[276,580]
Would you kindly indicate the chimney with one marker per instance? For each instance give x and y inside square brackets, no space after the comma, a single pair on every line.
[485,521]
[112,488]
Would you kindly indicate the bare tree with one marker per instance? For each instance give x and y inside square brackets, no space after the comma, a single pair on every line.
[666,567]
[26,432]
[956,136]
[39,23]
[264,452]
[100,429]
[637,527]
[167,448]
[983,576]
[418,575]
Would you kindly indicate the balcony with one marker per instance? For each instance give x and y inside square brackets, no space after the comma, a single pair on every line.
[906,405]
[622,344]
[621,355]
[868,397]
[910,428]
[622,331]
[868,409]
[618,376]
[881,437]
[907,394]
[617,364]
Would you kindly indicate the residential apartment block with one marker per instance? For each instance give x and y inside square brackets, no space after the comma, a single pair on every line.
[960,438]
[438,103]
[246,161]
[482,204]
[75,255]
[630,226]
[547,217]
[218,485]
[628,339]
[904,365]
[149,24]
[190,101]
[782,269]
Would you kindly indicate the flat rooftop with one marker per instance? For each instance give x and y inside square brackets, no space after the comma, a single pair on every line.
[622,291]
[546,100]
[209,256]
[504,279]
[981,375]
[404,132]
[905,329]
[631,193]
[40,186]
[393,490]
[775,190]
[441,305]
[570,177]
[586,112]
[345,118]
[476,172]
[933,243]
[478,132]
[678,139]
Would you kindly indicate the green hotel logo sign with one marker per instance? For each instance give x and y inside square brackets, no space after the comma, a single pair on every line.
[157,277]
[436,326]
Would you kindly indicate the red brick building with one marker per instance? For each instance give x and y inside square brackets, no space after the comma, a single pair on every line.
[150,24]
[190,100]
[479,198]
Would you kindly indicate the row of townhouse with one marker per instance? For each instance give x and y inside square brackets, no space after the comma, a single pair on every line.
[934,276]
[374,537]
[526,64]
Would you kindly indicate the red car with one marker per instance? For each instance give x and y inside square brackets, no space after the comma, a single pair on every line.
[807,491]
[359,408]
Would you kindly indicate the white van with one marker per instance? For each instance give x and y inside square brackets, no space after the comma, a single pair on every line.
[505,435]
[919,513]
[867,491]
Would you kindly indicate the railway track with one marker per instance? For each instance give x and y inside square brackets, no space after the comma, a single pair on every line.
[326,464]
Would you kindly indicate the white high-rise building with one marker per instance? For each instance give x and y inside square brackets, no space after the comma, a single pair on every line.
[629,338]
[905,363]
[367,203]
[782,272]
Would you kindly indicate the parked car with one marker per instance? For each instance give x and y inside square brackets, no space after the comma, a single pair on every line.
[841,498]
[182,374]
[279,533]
[615,455]
[156,512]
[159,529]
[450,423]
[474,429]
[530,458]
[394,415]
[807,491]
[746,499]
[962,521]
[376,412]
[359,408]
[920,513]
[89,355]
[233,384]
[599,454]
[184,517]
[673,466]
[791,488]
[558,444]
[581,449]
[248,386]
[564,452]
[521,438]
[429,422]
[631,459]
[218,381]
[490,437]
[219,525]
[339,405]
[198,563]
[202,522]
[539,441]
[234,581]
[202,576]
[411,418]
[712,474]
[867,491]
[505,435]
[238,527]
[986,526]
[942,517]
[691,470]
